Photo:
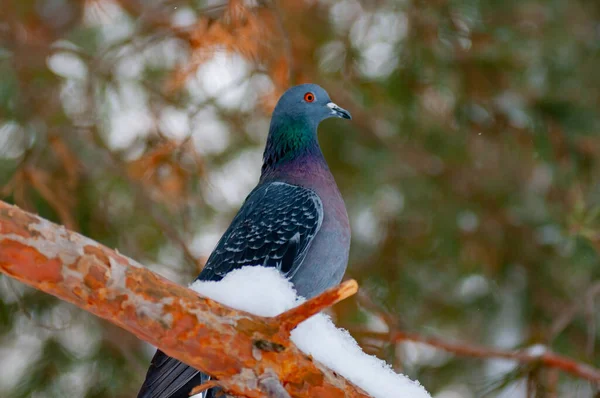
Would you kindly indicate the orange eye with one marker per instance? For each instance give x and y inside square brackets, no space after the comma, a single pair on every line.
[309,97]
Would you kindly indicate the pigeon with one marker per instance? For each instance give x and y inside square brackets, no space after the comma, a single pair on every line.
[294,220]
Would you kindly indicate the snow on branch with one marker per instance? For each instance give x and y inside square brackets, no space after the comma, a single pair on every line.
[209,336]
[264,291]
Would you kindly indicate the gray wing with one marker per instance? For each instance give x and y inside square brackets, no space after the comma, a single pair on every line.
[275,228]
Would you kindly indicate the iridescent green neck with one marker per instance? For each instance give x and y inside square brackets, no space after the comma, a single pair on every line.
[290,140]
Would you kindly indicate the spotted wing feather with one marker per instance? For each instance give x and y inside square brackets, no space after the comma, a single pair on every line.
[274,228]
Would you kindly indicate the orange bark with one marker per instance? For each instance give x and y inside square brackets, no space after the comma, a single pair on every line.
[237,348]
[292,318]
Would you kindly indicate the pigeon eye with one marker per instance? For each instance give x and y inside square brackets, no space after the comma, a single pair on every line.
[309,97]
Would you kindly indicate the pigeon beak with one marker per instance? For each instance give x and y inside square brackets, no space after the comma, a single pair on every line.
[338,111]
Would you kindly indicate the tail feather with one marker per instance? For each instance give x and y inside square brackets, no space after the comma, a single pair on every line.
[169,378]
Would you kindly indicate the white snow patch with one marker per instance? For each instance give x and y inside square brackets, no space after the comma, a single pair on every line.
[265,292]
[13,140]
[210,133]
[67,65]
[224,78]
[537,350]
[258,290]
[228,185]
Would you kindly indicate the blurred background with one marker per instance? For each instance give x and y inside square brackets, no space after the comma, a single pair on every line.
[471,171]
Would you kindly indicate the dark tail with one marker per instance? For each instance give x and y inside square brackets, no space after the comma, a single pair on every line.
[169,378]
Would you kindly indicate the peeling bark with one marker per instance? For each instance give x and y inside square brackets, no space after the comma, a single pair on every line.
[211,337]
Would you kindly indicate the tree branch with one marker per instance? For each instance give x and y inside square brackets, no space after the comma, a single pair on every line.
[196,330]
[546,357]
[292,318]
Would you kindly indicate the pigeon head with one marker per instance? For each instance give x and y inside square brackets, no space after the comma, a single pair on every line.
[307,103]
[294,123]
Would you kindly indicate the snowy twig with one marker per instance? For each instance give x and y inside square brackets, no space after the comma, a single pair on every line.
[200,332]
[292,318]
[545,357]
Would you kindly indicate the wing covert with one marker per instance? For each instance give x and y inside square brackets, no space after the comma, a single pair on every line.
[274,228]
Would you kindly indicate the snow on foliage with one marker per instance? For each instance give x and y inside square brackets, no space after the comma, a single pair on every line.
[265,292]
